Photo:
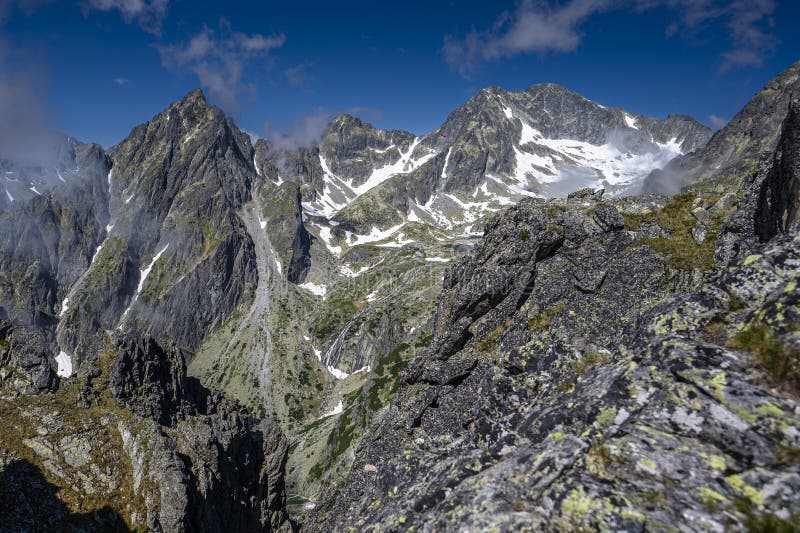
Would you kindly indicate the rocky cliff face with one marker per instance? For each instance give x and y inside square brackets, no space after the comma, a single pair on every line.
[132,443]
[733,153]
[175,255]
[593,367]
[48,238]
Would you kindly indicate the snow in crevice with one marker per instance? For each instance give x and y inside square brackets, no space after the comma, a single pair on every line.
[350,273]
[60,176]
[258,170]
[142,277]
[64,307]
[146,271]
[399,241]
[33,189]
[383,150]
[339,409]
[338,192]
[64,362]
[446,161]
[404,165]
[375,235]
[338,374]
[631,121]
[10,198]
[437,259]
[326,236]
[313,288]
[97,252]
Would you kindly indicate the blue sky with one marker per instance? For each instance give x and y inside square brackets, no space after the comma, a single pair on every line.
[96,68]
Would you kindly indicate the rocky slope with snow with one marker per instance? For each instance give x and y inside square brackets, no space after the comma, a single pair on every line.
[304,283]
[734,152]
[593,368]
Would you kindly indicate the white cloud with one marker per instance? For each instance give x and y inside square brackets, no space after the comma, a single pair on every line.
[305,132]
[717,122]
[540,26]
[149,15]
[27,7]
[748,24]
[219,60]
[298,75]
[121,81]
[535,27]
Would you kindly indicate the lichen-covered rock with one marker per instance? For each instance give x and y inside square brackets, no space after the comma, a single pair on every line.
[152,449]
[623,407]
[150,381]
[25,349]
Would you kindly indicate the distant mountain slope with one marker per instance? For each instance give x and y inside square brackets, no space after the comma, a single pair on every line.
[361,184]
[735,150]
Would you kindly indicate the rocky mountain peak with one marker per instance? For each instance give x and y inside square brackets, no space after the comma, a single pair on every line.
[734,152]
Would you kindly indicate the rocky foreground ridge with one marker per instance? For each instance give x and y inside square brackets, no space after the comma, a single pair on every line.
[580,376]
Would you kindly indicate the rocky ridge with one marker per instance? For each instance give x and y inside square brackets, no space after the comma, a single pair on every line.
[132,443]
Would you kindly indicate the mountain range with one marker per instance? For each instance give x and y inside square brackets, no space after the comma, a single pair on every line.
[546,313]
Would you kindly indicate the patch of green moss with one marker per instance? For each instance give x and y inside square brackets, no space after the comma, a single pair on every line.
[488,344]
[589,360]
[759,522]
[388,373]
[545,318]
[679,249]
[781,362]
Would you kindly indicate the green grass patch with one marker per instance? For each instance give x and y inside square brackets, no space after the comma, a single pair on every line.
[493,338]
[679,249]
[338,310]
[545,318]
[781,362]
[590,360]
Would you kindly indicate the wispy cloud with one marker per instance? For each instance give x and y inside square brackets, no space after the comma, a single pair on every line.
[27,7]
[717,122]
[535,27]
[219,59]
[299,75]
[149,15]
[541,27]
[121,81]
[748,24]
[305,131]
[25,114]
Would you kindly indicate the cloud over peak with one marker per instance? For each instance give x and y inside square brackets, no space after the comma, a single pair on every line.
[149,15]
[219,59]
[541,26]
